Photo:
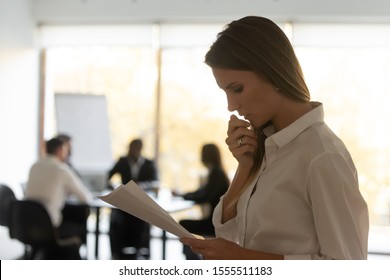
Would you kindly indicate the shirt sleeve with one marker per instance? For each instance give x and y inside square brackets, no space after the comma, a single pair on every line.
[75,186]
[115,169]
[227,230]
[339,211]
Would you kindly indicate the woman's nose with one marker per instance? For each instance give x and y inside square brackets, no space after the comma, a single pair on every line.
[233,105]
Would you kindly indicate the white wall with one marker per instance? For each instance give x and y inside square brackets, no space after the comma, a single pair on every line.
[18,92]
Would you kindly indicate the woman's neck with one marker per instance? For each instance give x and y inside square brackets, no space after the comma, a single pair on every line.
[289,112]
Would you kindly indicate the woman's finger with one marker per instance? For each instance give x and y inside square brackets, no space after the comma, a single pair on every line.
[235,123]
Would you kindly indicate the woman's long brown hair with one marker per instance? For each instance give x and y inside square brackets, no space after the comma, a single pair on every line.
[257,44]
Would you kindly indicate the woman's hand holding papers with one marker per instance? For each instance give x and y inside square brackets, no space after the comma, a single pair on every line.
[222,249]
[213,248]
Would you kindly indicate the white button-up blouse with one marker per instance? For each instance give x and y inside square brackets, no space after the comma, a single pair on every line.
[307,203]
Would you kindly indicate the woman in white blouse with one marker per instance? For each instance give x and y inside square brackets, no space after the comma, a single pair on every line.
[295,194]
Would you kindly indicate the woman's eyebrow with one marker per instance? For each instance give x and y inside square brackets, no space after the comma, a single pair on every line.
[231,85]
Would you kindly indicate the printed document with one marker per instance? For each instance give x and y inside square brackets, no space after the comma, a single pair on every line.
[134,200]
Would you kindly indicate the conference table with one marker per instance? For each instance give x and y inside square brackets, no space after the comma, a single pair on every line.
[170,204]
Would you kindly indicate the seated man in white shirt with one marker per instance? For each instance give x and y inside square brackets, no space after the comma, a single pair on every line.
[51,181]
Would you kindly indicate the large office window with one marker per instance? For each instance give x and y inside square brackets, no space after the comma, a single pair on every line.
[174,114]
[159,89]
[126,76]
[193,113]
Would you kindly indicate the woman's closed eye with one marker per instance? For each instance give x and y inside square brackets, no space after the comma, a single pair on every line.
[238,89]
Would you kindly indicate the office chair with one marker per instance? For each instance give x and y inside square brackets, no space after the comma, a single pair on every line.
[30,223]
[77,215]
[6,197]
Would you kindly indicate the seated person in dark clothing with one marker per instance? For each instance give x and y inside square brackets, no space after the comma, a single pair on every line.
[129,236]
[209,193]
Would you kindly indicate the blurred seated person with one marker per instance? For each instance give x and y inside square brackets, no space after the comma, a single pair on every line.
[51,182]
[208,195]
[72,212]
[129,236]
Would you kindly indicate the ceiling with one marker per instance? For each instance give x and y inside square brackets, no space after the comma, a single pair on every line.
[207,11]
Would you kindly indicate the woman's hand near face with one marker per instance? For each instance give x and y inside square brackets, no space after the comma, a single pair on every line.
[240,129]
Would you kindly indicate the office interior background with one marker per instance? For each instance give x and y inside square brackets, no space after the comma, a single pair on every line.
[145,57]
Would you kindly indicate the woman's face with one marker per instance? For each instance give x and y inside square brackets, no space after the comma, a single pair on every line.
[251,96]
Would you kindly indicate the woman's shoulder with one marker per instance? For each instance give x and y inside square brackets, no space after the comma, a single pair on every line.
[321,141]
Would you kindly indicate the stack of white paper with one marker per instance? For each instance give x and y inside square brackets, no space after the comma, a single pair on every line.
[133,200]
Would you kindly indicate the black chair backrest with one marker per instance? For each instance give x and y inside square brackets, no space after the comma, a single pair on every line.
[30,223]
[77,214]
[6,197]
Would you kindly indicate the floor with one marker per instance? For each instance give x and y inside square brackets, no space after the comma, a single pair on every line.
[379,244]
